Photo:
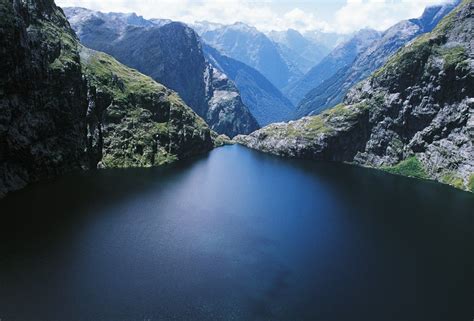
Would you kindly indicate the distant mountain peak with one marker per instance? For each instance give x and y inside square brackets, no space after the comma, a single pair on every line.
[243,27]
[433,14]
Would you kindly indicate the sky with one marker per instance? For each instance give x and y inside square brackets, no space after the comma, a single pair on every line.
[341,16]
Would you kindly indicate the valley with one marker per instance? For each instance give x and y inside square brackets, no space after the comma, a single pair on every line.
[277,161]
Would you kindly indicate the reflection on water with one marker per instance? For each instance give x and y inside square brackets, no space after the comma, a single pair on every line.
[237,235]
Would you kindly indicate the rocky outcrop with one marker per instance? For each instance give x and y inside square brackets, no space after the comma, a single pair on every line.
[43,98]
[133,121]
[266,103]
[414,116]
[170,53]
[64,107]
[332,90]
[226,111]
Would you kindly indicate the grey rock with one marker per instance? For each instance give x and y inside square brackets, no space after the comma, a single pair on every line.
[266,103]
[414,116]
[170,53]
[339,58]
[333,89]
[65,108]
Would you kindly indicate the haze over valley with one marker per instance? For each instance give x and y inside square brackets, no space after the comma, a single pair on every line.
[235,160]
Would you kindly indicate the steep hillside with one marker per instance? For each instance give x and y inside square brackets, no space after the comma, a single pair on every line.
[265,101]
[64,107]
[171,54]
[298,50]
[339,58]
[133,121]
[333,89]
[43,99]
[250,46]
[414,116]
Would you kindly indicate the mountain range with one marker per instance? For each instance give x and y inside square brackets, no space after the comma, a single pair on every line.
[414,116]
[252,47]
[331,90]
[82,90]
[299,50]
[266,103]
[65,107]
[170,53]
[339,58]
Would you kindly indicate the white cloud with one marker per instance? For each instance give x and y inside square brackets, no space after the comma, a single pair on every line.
[377,14]
[265,14]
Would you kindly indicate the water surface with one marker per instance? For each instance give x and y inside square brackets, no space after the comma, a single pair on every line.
[237,235]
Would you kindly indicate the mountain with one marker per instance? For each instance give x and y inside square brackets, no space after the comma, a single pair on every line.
[340,57]
[414,116]
[252,47]
[43,100]
[298,50]
[171,54]
[333,89]
[329,40]
[133,121]
[203,26]
[266,103]
[64,107]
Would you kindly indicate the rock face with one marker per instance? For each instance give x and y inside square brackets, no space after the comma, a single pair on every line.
[266,103]
[43,98]
[65,108]
[170,53]
[226,111]
[339,58]
[133,121]
[331,92]
[250,46]
[414,116]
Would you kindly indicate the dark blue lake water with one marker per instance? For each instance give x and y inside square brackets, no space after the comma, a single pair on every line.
[237,235]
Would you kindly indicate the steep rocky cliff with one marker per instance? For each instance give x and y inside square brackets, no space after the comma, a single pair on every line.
[414,116]
[171,54]
[133,121]
[43,98]
[225,109]
[63,107]
[266,103]
[332,91]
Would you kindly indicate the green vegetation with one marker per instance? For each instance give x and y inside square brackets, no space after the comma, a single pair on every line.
[410,167]
[221,140]
[337,117]
[146,124]
[345,111]
[108,74]
[407,59]
[448,22]
[417,53]
[454,57]
[471,183]
[56,35]
[450,178]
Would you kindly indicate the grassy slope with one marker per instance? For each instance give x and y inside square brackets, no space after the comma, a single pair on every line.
[404,62]
[147,124]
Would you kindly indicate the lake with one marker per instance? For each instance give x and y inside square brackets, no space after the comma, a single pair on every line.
[237,235]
